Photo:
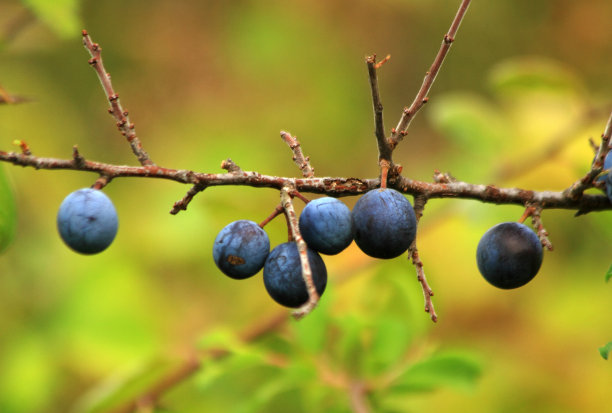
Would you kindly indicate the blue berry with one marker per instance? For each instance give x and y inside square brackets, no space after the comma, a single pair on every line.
[283,275]
[509,255]
[385,224]
[606,165]
[240,249]
[87,221]
[326,225]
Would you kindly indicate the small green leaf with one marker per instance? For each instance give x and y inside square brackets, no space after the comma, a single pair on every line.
[8,211]
[605,350]
[527,75]
[609,274]
[456,370]
[124,386]
[62,16]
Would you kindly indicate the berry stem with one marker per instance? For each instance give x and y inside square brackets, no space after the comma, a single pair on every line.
[277,211]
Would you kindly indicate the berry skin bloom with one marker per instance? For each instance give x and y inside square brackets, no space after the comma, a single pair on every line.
[240,249]
[326,225]
[509,255]
[87,221]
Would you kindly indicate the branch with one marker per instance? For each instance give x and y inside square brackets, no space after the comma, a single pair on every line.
[421,98]
[125,126]
[333,186]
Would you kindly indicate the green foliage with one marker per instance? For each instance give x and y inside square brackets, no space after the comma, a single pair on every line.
[62,16]
[532,75]
[8,211]
[605,350]
[452,369]
[609,274]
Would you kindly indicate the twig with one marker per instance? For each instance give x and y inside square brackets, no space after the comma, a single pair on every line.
[419,207]
[313,295]
[577,189]
[534,211]
[125,126]
[230,166]
[384,150]
[25,149]
[182,204]
[153,394]
[358,396]
[536,220]
[421,97]
[6,97]
[303,162]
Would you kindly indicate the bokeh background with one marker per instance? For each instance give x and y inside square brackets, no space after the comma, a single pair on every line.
[525,86]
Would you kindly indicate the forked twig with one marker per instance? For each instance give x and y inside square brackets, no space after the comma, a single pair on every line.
[125,126]
[421,98]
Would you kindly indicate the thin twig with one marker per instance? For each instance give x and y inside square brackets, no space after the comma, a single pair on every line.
[577,189]
[183,203]
[358,393]
[421,97]
[25,149]
[230,166]
[125,126]
[303,162]
[419,207]
[384,150]
[192,364]
[313,295]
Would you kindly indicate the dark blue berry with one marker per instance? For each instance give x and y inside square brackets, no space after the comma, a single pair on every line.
[283,275]
[509,255]
[609,186]
[240,249]
[385,224]
[606,165]
[326,225]
[87,221]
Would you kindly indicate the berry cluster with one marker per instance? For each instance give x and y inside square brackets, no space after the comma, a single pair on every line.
[382,223]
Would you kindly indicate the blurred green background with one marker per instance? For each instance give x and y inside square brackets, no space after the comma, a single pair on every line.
[525,86]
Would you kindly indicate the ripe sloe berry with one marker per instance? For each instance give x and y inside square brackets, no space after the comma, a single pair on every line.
[240,249]
[609,186]
[509,255]
[326,225]
[283,275]
[87,221]
[606,165]
[385,224]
